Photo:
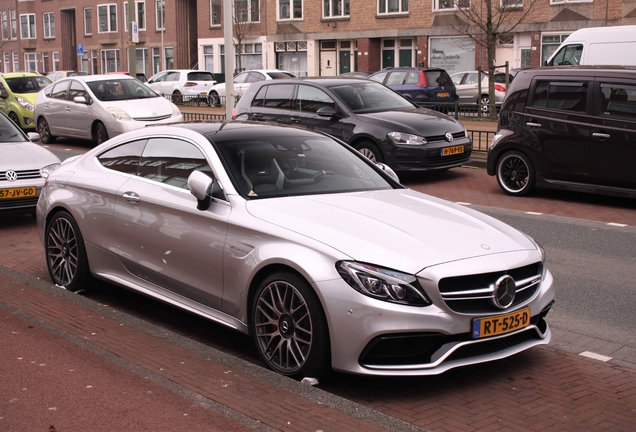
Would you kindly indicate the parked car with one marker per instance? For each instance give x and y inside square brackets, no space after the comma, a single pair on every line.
[24,166]
[421,86]
[182,84]
[58,75]
[242,82]
[17,96]
[468,91]
[139,75]
[570,128]
[295,238]
[378,122]
[98,107]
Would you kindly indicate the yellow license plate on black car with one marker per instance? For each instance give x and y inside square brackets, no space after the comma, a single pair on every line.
[500,324]
[448,151]
[443,94]
[23,192]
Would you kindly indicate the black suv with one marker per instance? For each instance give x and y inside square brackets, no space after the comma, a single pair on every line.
[379,123]
[570,128]
[420,86]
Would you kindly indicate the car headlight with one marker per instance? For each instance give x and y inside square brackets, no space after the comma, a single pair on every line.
[406,139]
[120,114]
[383,284]
[175,110]
[25,103]
[47,170]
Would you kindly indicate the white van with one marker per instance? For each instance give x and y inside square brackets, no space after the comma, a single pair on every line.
[597,46]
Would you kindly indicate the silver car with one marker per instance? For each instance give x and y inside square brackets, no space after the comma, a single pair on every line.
[295,238]
[467,86]
[24,167]
[98,107]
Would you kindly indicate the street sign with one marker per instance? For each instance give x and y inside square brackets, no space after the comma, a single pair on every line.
[80,49]
[135,32]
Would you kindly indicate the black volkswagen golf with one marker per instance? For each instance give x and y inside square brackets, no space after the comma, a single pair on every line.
[378,122]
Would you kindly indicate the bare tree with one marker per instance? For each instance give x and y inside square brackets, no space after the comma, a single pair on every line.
[485,21]
[247,13]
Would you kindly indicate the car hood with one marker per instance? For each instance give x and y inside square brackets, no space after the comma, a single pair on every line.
[414,121]
[142,108]
[25,155]
[400,229]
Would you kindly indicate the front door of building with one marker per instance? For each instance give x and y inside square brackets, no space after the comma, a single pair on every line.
[345,61]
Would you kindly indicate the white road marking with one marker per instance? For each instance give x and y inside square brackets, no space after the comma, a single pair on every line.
[616,224]
[595,356]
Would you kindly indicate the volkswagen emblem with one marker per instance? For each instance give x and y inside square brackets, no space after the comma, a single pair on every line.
[505,291]
[12,175]
[449,137]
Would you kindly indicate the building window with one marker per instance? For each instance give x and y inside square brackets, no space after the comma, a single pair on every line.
[48,18]
[156,61]
[246,11]
[45,63]
[141,55]
[512,4]
[56,61]
[168,58]
[107,17]
[16,62]
[454,4]
[84,61]
[161,19]
[7,62]
[94,61]
[291,9]
[5,25]
[335,8]
[208,57]
[31,62]
[549,44]
[141,15]
[88,23]
[558,2]
[14,24]
[110,60]
[215,12]
[27,26]
[394,6]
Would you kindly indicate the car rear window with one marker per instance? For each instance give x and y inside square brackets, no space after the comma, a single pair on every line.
[200,76]
[438,77]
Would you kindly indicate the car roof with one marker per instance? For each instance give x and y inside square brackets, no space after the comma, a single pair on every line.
[92,78]
[20,74]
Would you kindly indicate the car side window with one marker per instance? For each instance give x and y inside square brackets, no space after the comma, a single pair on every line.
[412,78]
[396,78]
[123,158]
[618,100]
[569,96]
[159,78]
[172,76]
[279,96]
[379,77]
[59,90]
[259,99]
[569,55]
[471,78]
[76,90]
[240,78]
[254,77]
[311,99]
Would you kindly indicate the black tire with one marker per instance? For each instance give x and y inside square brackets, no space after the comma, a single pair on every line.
[65,253]
[214,99]
[484,104]
[177,98]
[371,151]
[289,327]
[101,134]
[45,132]
[515,174]
[13,116]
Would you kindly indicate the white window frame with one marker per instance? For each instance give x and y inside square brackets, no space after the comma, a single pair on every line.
[31,61]
[110,23]
[7,61]
[141,22]
[143,58]
[13,18]
[560,2]
[512,4]
[455,5]
[16,61]
[249,10]
[104,58]
[45,62]
[88,22]
[289,13]
[48,22]
[160,8]
[217,4]
[56,61]
[385,3]
[30,21]
[5,25]
[345,8]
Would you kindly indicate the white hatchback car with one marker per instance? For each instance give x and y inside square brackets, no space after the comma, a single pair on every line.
[182,84]
[98,107]
[243,80]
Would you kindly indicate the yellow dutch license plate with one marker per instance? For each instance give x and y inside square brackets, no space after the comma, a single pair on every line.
[443,94]
[23,192]
[501,324]
[448,151]
[204,94]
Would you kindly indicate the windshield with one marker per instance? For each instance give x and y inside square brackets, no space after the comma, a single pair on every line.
[28,84]
[276,166]
[370,96]
[120,89]
[9,132]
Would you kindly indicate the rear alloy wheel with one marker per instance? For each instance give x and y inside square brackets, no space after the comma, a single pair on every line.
[515,174]
[214,99]
[65,253]
[177,98]
[370,150]
[101,134]
[289,327]
[45,132]
[484,104]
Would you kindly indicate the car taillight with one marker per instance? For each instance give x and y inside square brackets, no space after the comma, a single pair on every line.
[500,88]
[422,82]
[233,113]
[190,84]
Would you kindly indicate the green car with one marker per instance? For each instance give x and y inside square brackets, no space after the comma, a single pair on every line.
[17,96]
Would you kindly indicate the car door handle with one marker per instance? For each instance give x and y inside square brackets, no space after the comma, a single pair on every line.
[533,124]
[600,135]
[131,197]
[295,120]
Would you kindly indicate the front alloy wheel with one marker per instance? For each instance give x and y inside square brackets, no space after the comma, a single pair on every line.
[65,254]
[289,327]
[515,174]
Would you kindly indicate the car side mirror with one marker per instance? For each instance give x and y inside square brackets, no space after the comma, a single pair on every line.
[387,169]
[33,136]
[3,94]
[326,112]
[200,185]
[80,100]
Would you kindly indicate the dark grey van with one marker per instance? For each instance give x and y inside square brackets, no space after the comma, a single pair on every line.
[571,128]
